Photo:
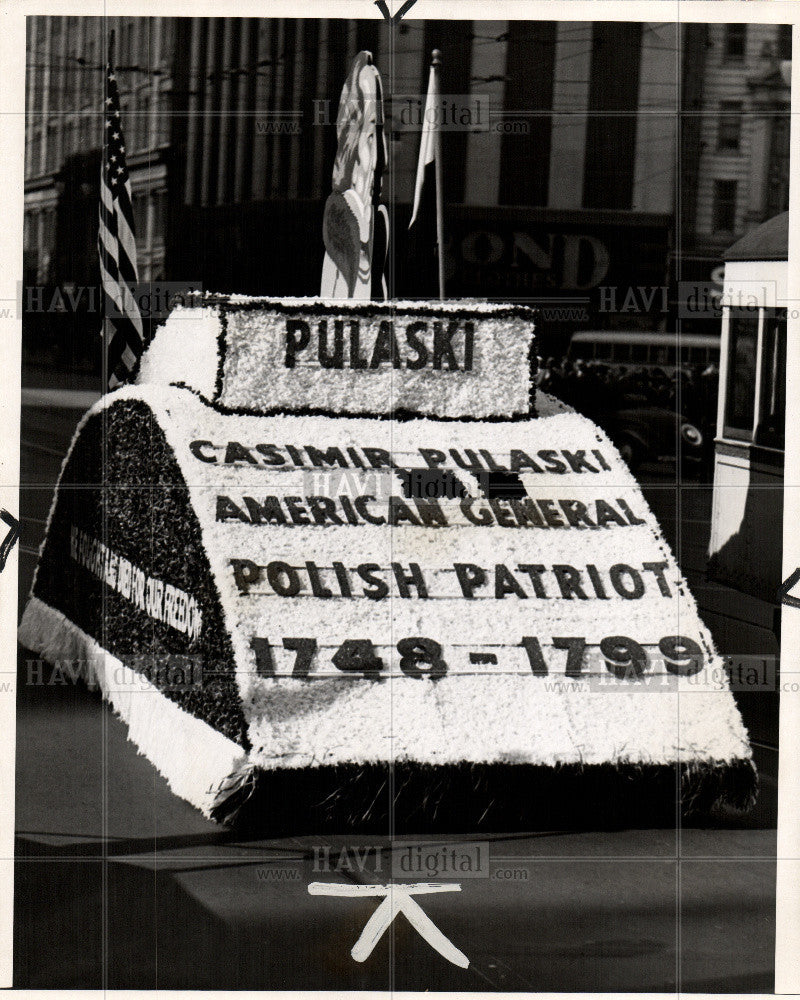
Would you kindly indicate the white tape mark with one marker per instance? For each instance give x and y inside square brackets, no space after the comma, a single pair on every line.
[396,899]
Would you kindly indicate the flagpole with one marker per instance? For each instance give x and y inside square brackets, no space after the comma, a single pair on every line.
[436,63]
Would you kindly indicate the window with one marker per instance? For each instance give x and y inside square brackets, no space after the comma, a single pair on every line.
[729,129]
[735,41]
[741,387]
[125,43]
[49,229]
[772,410]
[159,215]
[69,137]
[663,355]
[34,164]
[140,215]
[778,166]
[784,41]
[144,120]
[53,152]
[698,356]
[724,211]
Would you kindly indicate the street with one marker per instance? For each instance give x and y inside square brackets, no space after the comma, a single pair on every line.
[121,884]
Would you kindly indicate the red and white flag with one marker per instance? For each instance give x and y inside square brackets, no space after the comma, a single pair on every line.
[428,146]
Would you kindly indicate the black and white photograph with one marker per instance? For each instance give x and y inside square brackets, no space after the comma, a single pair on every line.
[397,546]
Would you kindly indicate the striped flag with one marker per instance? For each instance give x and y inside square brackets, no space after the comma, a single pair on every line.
[123,337]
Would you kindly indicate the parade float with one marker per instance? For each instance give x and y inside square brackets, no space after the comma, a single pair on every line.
[341,559]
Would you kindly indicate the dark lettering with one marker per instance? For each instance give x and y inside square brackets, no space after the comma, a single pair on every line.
[347,507]
[245,573]
[597,583]
[333,456]
[578,462]
[632,518]
[360,504]
[271,453]
[196,449]
[378,458]
[472,462]
[227,510]
[318,589]
[413,578]
[617,573]
[551,515]
[342,579]
[505,583]
[519,460]
[297,511]
[526,512]
[657,569]
[569,582]
[298,334]
[490,462]
[386,348]
[534,571]
[275,573]
[605,513]
[469,345]
[601,460]
[551,462]
[421,359]
[430,513]
[502,515]
[323,509]
[470,577]
[378,588]
[236,452]
[269,512]
[357,360]
[336,359]
[577,514]
[432,457]
[482,518]
[400,512]
[443,347]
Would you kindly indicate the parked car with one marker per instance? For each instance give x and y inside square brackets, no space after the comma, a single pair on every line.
[652,433]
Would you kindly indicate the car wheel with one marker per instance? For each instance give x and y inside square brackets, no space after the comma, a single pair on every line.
[630,450]
[691,435]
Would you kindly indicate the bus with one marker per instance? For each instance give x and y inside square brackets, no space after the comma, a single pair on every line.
[645,349]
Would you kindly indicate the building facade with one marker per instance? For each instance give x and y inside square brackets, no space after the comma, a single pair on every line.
[735,139]
[584,153]
[64,132]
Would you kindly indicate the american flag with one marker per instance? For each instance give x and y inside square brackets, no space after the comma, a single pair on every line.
[123,337]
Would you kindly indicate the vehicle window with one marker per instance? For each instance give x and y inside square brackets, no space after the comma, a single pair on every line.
[772,418]
[639,353]
[741,388]
[661,354]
